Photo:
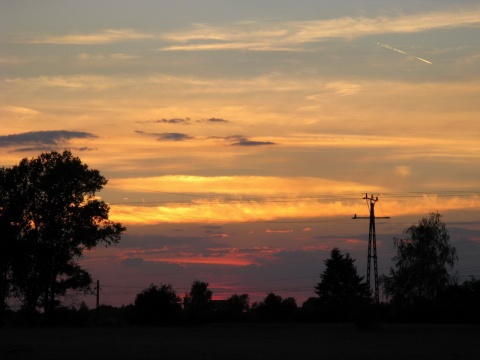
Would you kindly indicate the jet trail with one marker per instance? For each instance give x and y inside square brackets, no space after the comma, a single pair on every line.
[428,62]
[402,52]
[391,48]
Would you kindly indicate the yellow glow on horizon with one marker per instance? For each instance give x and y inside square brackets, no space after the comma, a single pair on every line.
[238,185]
[230,212]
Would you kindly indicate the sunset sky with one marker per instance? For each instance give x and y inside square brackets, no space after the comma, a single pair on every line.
[240,137]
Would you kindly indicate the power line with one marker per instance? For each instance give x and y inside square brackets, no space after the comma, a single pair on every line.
[312,197]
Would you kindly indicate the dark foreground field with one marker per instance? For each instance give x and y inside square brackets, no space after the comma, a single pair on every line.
[279,341]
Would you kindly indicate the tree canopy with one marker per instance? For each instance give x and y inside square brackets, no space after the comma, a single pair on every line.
[198,303]
[274,308]
[422,264]
[157,305]
[340,283]
[49,215]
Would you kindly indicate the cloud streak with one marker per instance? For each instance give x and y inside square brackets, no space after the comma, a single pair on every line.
[187,121]
[239,185]
[43,138]
[272,36]
[218,211]
[288,36]
[18,110]
[108,36]
[239,140]
[167,136]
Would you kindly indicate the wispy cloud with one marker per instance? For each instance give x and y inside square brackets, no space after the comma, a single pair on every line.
[43,138]
[288,36]
[238,185]
[219,199]
[234,140]
[100,57]
[280,231]
[173,84]
[271,36]
[216,211]
[108,36]
[239,140]
[403,171]
[172,121]
[214,120]
[72,82]
[18,110]
[186,121]
[167,136]
[343,88]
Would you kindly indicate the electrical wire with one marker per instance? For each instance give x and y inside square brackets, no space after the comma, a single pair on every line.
[311,198]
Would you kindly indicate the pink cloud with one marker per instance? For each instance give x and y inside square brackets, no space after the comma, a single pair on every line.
[279,231]
[219,235]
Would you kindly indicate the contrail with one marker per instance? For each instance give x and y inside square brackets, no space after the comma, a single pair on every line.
[402,52]
[391,48]
[428,62]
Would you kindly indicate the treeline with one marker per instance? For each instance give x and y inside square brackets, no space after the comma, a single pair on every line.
[159,305]
[49,215]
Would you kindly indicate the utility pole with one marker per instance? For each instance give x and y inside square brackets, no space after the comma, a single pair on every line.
[98,302]
[98,293]
[372,242]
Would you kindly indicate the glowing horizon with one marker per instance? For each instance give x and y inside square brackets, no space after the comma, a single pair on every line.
[242,137]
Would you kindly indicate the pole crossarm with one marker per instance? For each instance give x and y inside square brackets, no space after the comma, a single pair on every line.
[355,217]
[372,242]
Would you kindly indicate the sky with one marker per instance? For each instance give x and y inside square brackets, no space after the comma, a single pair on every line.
[240,137]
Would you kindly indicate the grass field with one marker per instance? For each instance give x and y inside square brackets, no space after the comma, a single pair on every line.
[255,341]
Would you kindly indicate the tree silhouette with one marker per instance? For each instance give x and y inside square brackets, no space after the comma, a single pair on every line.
[157,305]
[198,303]
[238,306]
[422,264]
[234,309]
[341,290]
[274,308]
[10,213]
[55,218]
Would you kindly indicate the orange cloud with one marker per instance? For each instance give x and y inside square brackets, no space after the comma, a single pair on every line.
[353,241]
[219,235]
[227,261]
[108,36]
[219,211]
[237,185]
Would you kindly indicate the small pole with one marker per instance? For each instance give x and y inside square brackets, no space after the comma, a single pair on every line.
[98,302]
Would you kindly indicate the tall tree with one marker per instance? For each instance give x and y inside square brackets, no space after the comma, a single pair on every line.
[9,228]
[54,218]
[198,303]
[341,287]
[423,262]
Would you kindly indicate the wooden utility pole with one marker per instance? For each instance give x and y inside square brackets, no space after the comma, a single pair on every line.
[98,294]
[97,311]
[372,243]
